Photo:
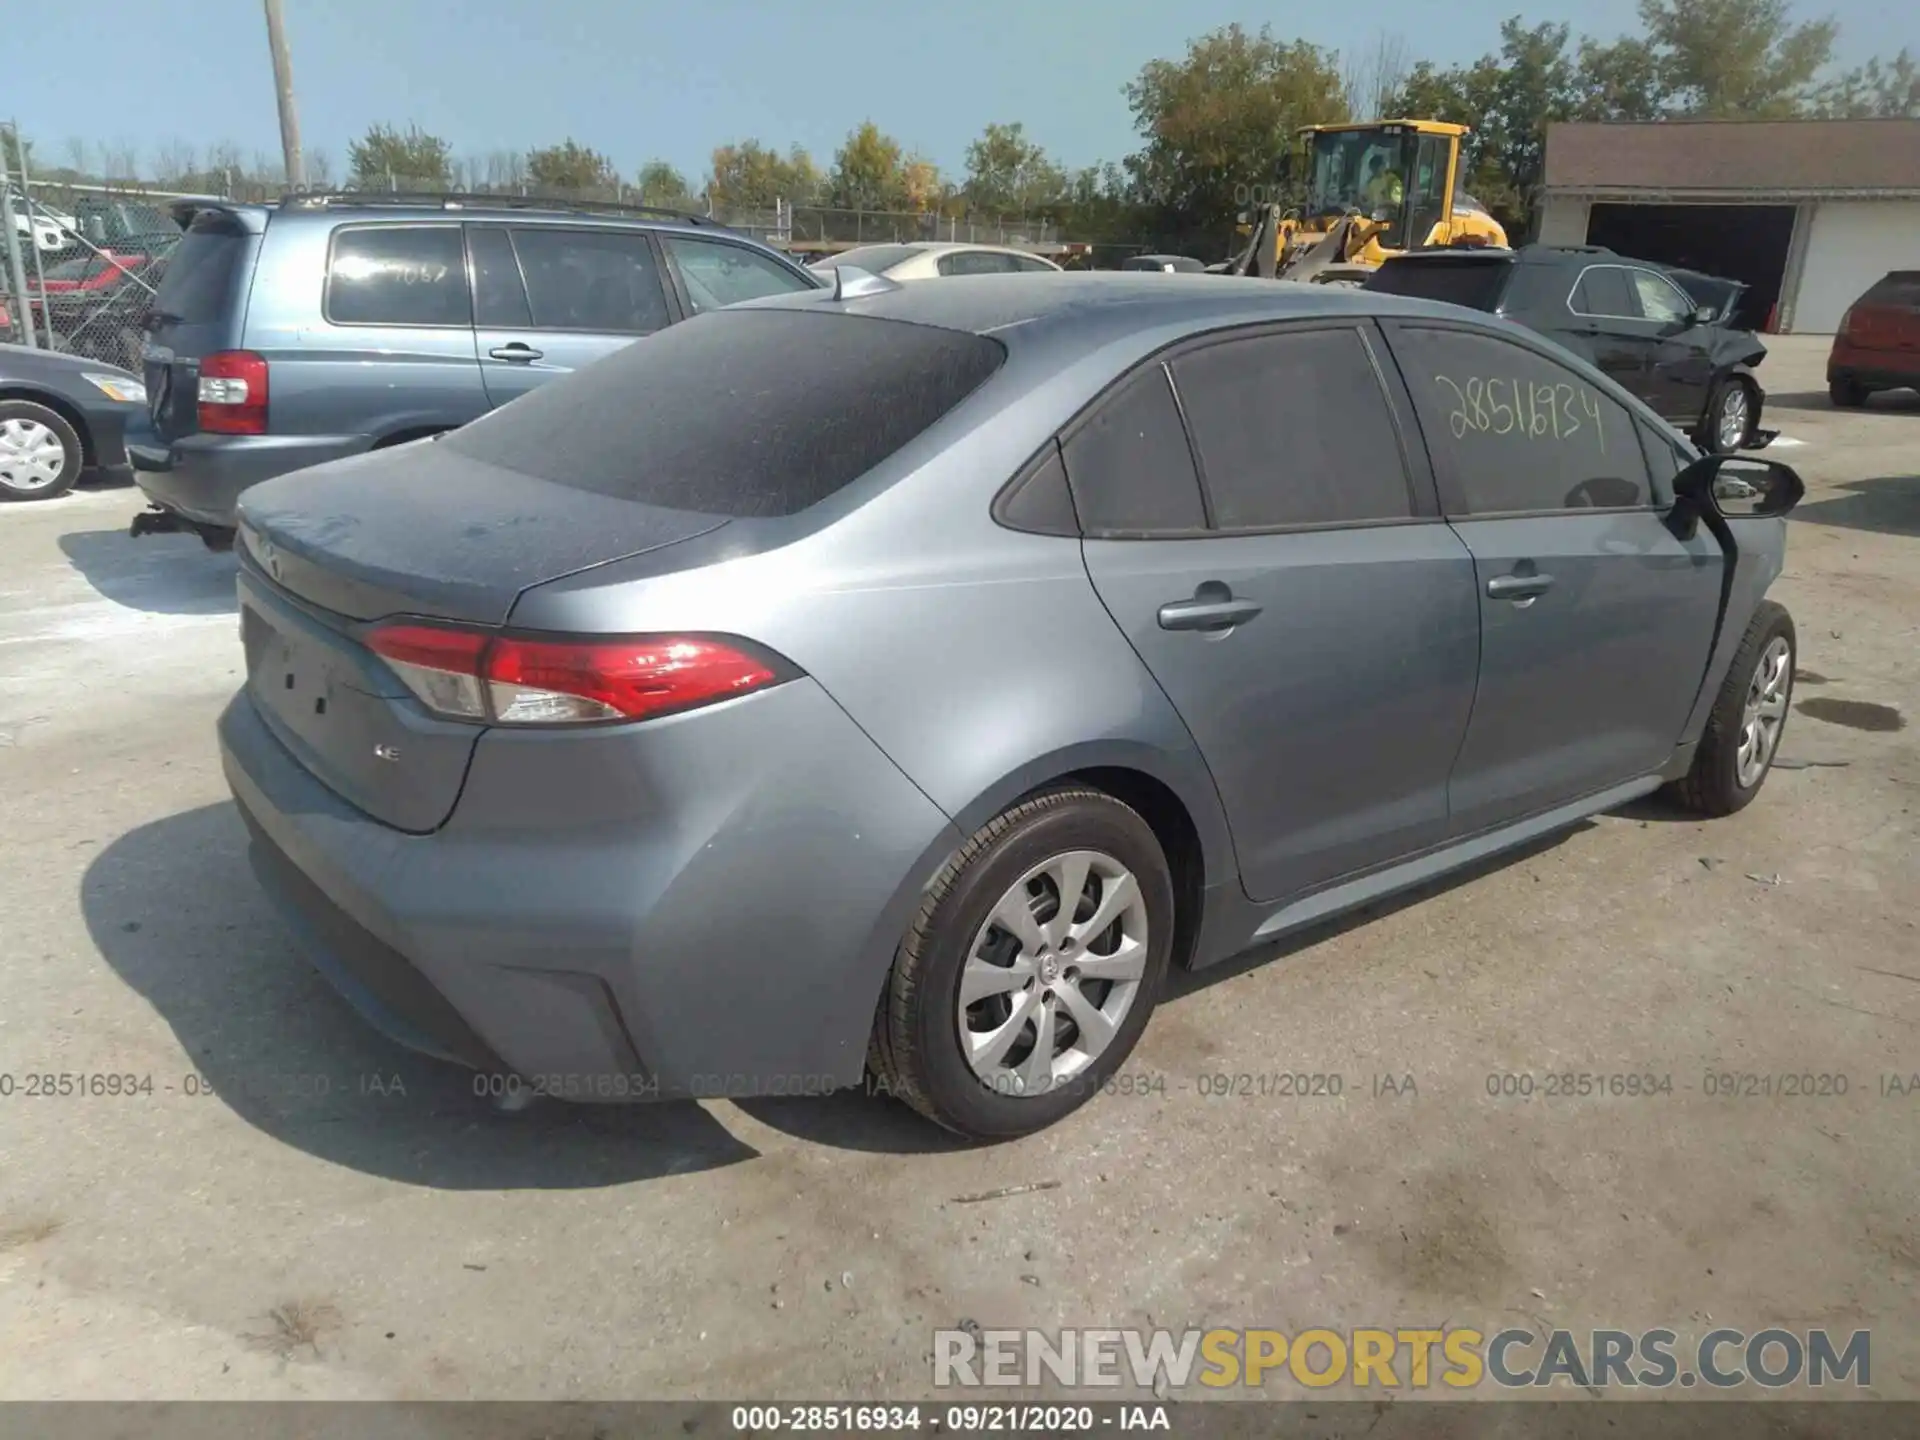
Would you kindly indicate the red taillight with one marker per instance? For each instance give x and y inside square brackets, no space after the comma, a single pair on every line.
[506,680]
[233,393]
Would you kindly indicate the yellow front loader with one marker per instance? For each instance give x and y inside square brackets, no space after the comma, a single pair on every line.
[1352,196]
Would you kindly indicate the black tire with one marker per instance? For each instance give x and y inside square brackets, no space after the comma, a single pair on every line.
[1712,787]
[1709,436]
[1847,393]
[916,1051]
[69,438]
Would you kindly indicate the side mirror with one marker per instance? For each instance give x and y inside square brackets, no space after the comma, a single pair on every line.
[1283,167]
[1740,487]
[1701,315]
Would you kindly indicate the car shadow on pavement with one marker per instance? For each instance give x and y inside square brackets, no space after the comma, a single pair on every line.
[1887,402]
[876,1122]
[161,574]
[1889,505]
[174,908]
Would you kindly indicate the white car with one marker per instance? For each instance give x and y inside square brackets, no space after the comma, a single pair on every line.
[49,229]
[931,259]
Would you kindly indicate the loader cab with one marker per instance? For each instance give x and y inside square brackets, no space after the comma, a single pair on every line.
[1400,175]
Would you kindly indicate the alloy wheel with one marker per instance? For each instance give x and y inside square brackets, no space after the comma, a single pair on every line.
[1735,417]
[1765,712]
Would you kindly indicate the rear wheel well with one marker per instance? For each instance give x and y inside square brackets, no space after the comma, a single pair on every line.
[1167,816]
[405,437]
[63,408]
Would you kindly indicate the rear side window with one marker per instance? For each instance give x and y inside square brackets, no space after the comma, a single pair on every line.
[203,271]
[1511,431]
[1476,284]
[398,275]
[716,273]
[741,412]
[1293,429]
[1129,465]
[976,262]
[601,280]
[1603,290]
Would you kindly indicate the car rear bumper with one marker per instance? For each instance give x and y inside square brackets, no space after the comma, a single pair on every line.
[201,476]
[703,905]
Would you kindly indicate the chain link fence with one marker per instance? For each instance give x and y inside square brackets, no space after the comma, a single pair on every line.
[81,265]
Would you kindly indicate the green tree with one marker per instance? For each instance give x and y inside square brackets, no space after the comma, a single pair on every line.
[1736,59]
[414,159]
[570,166]
[660,184]
[868,172]
[751,176]
[1621,81]
[1220,118]
[1874,91]
[1008,174]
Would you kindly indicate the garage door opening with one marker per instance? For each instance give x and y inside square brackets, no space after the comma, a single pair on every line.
[1747,243]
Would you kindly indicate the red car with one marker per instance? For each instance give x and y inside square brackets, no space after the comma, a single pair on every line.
[1878,343]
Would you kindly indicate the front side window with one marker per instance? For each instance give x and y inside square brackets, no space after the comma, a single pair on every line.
[1293,429]
[716,273]
[599,280]
[1659,298]
[1512,432]
[398,275]
[1130,467]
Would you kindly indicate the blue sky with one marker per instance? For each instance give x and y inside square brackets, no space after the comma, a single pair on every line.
[643,79]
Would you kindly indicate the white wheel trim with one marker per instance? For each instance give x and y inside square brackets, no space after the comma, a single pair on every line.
[32,455]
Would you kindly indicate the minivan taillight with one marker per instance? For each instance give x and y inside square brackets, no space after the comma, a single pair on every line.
[519,680]
[233,393]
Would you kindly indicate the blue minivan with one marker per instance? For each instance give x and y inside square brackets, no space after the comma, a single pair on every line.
[288,334]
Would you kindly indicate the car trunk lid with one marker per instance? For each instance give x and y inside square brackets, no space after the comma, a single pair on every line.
[420,530]
[410,531]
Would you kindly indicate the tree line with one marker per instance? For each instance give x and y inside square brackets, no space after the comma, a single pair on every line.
[1211,126]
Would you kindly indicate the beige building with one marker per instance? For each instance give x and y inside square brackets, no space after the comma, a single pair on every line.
[1808,213]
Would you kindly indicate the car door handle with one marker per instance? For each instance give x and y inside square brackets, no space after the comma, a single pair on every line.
[1206,614]
[1518,587]
[515,353]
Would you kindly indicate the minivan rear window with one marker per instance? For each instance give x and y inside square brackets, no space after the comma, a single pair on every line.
[1476,284]
[199,285]
[745,413]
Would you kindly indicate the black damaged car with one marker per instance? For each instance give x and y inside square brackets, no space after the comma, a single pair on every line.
[1633,319]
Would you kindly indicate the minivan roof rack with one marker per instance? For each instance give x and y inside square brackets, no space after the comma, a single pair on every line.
[467,200]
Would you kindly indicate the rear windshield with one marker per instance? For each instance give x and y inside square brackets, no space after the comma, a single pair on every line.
[871,258]
[1474,283]
[737,412]
[199,284]
[1901,288]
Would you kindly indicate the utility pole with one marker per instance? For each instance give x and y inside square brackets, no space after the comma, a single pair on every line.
[283,86]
